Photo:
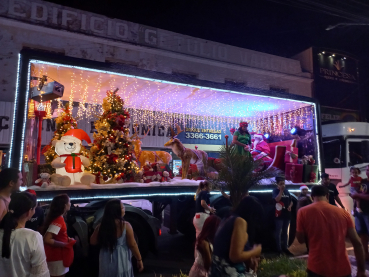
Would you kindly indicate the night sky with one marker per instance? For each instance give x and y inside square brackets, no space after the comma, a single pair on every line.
[280,27]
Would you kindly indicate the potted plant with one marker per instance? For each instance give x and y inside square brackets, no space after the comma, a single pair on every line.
[239,173]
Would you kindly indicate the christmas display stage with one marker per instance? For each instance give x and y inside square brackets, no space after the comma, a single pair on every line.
[92,129]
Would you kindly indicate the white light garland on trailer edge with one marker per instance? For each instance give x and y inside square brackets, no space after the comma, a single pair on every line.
[126,75]
[25,118]
[14,111]
[154,194]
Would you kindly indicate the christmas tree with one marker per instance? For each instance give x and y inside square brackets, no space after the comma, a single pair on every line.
[64,122]
[111,153]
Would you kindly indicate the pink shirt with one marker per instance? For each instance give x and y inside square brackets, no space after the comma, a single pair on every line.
[4,204]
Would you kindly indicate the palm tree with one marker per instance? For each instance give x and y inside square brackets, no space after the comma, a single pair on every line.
[239,173]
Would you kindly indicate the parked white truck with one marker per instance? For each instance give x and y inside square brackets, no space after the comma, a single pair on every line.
[344,145]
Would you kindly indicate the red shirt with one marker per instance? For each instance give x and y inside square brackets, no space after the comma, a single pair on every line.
[59,231]
[355,182]
[325,228]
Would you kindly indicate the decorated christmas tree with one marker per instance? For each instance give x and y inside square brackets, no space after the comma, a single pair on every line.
[64,122]
[111,153]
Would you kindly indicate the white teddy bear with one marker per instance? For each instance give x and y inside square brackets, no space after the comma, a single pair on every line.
[70,163]
[44,180]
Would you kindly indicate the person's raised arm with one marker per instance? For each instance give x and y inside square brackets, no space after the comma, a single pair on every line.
[279,195]
[131,242]
[204,249]
[345,185]
[238,242]
[225,195]
[359,251]
[95,235]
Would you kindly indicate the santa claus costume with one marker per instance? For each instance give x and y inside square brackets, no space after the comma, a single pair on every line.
[260,148]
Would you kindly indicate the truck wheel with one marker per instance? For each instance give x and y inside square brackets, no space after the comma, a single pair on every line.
[184,222]
[141,237]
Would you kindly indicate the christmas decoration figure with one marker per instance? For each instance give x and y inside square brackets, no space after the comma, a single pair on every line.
[44,180]
[146,156]
[64,123]
[261,148]
[188,156]
[111,154]
[70,162]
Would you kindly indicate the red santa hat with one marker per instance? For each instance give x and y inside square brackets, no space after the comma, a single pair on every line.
[244,124]
[260,136]
[31,191]
[232,130]
[79,134]
[303,187]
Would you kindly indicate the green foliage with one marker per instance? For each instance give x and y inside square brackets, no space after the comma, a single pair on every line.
[239,173]
[282,265]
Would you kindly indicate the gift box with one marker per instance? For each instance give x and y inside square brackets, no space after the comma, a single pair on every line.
[192,171]
[294,172]
[291,155]
[310,174]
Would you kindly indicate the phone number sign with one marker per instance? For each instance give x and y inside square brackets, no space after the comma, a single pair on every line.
[202,136]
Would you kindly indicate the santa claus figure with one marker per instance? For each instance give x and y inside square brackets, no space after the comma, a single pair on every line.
[260,148]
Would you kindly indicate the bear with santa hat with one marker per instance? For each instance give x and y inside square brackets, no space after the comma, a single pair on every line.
[70,163]
[260,149]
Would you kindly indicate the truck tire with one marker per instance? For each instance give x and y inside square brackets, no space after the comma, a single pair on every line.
[185,221]
[141,237]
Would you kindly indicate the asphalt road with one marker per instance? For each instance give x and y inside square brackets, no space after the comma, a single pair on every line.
[175,255]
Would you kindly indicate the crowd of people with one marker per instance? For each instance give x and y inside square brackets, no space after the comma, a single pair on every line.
[31,245]
[227,247]
[34,245]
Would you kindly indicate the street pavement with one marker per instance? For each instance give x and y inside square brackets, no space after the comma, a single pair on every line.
[299,251]
[175,254]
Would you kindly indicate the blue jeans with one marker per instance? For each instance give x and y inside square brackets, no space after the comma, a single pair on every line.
[362,223]
[281,233]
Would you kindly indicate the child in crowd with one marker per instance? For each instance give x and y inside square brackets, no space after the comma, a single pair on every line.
[21,249]
[204,247]
[37,220]
[116,238]
[58,246]
[355,182]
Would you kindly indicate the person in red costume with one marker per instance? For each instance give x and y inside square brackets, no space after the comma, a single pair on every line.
[58,246]
[261,148]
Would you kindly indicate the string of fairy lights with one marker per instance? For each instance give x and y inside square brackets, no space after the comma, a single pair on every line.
[156,103]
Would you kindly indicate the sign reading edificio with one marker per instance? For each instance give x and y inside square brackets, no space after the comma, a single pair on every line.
[59,17]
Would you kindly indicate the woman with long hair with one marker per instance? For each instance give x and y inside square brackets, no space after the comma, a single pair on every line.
[58,246]
[229,255]
[22,250]
[242,139]
[202,209]
[204,247]
[116,238]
